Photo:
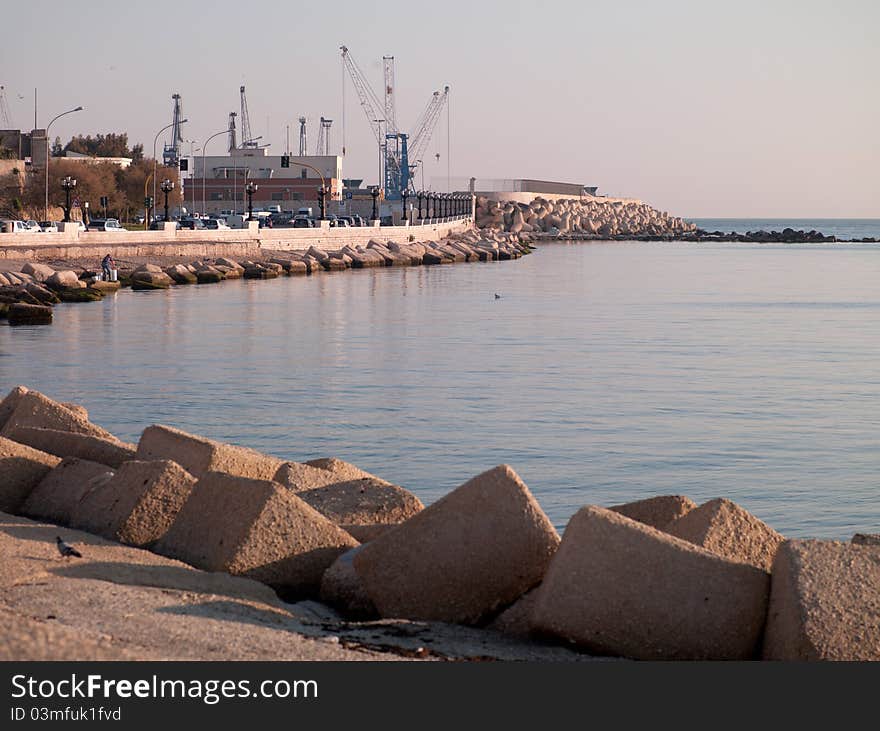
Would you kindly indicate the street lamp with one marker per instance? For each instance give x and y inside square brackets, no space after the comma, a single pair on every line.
[420,195]
[322,191]
[69,111]
[250,189]
[68,184]
[379,122]
[167,186]
[204,172]
[404,194]
[155,140]
[375,193]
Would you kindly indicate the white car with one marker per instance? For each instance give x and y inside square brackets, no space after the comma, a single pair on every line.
[33,226]
[50,227]
[105,224]
[14,226]
[215,224]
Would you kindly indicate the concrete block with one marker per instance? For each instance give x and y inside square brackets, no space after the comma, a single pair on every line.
[110,452]
[620,587]
[36,410]
[198,455]
[21,470]
[473,551]
[56,496]
[658,512]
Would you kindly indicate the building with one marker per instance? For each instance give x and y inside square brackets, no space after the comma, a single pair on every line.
[220,180]
[493,186]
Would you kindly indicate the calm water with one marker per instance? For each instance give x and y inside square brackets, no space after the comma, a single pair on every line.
[605,373]
[842,228]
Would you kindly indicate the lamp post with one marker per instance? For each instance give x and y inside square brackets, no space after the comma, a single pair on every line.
[375,193]
[155,162]
[379,122]
[404,194]
[250,189]
[322,192]
[69,111]
[420,195]
[205,172]
[68,184]
[167,186]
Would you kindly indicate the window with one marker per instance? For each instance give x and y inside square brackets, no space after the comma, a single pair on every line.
[216,196]
[296,196]
[303,174]
[279,196]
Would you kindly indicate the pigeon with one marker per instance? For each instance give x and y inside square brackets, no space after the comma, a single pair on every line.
[65,549]
[497,296]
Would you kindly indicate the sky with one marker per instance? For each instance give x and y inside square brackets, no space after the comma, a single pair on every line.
[702,109]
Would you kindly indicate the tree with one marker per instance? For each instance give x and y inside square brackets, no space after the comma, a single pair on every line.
[57,149]
[108,145]
[137,152]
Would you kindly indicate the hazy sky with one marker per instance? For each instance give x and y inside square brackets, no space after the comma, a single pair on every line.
[701,108]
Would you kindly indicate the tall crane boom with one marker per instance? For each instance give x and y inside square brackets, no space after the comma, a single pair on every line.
[390,111]
[302,137]
[246,140]
[232,143]
[323,147]
[427,123]
[171,153]
[4,109]
[367,97]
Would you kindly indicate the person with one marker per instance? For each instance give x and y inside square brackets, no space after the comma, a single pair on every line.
[107,264]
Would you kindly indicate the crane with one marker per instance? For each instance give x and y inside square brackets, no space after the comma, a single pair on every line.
[232,141]
[302,137]
[171,153]
[425,126]
[324,137]
[4,109]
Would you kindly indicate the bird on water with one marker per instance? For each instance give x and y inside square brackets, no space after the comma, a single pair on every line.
[65,549]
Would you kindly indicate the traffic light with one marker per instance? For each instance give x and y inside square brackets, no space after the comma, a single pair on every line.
[104,201]
[285,161]
[148,202]
[184,164]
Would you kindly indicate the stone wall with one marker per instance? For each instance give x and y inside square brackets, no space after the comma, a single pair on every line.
[194,244]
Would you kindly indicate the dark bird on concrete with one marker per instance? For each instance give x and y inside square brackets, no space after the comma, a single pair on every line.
[497,296]
[65,549]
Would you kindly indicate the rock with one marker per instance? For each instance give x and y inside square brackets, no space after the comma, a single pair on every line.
[516,620]
[40,272]
[25,314]
[363,503]
[108,452]
[341,588]
[82,294]
[657,512]
[620,587]
[198,455]
[223,261]
[473,551]
[144,280]
[866,539]
[298,476]
[36,410]
[824,602]
[723,527]
[57,495]
[21,470]
[180,274]
[66,279]
[40,295]
[138,505]
[318,254]
[105,287]
[147,269]
[9,402]
[255,528]
[209,275]
[340,471]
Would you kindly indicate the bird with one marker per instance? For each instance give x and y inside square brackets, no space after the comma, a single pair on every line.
[65,549]
[497,296]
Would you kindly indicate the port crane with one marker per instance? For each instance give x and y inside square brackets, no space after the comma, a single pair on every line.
[171,152]
[4,109]
[323,147]
[398,173]
[247,142]
[302,137]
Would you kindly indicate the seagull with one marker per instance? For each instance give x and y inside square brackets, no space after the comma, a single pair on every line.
[497,296]
[65,549]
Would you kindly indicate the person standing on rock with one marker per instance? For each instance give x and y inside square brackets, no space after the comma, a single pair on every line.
[107,264]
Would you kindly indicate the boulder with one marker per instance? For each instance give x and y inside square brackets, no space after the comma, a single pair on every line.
[144,279]
[56,496]
[108,452]
[41,295]
[21,470]
[198,455]
[516,620]
[138,504]
[180,274]
[65,279]
[223,261]
[317,253]
[824,602]
[657,512]
[147,269]
[726,529]
[866,539]
[40,272]
[255,528]
[9,402]
[27,314]
[366,503]
[473,551]
[341,588]
[81,294]
[209,275]
[620,587]
[298,476]
[340,471]
[36,410]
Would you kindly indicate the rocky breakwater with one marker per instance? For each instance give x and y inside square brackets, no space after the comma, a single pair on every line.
[28,296]
[662,578]
[589,218]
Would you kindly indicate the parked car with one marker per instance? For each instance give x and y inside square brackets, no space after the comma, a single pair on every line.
[33,226]
[357,220]
[160,225]
[49,227]
[194,224]
[303,222]
[105,224]
[15,226]
[215,224]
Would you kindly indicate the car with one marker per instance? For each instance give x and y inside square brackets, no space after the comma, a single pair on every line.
[160,225]
[105,224]
[49,227]
[194,224]
[302,222]
[358,220]
[15,226]
[215,224]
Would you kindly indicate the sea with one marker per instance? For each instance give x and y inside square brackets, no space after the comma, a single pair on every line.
[842,228]
[602,373]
